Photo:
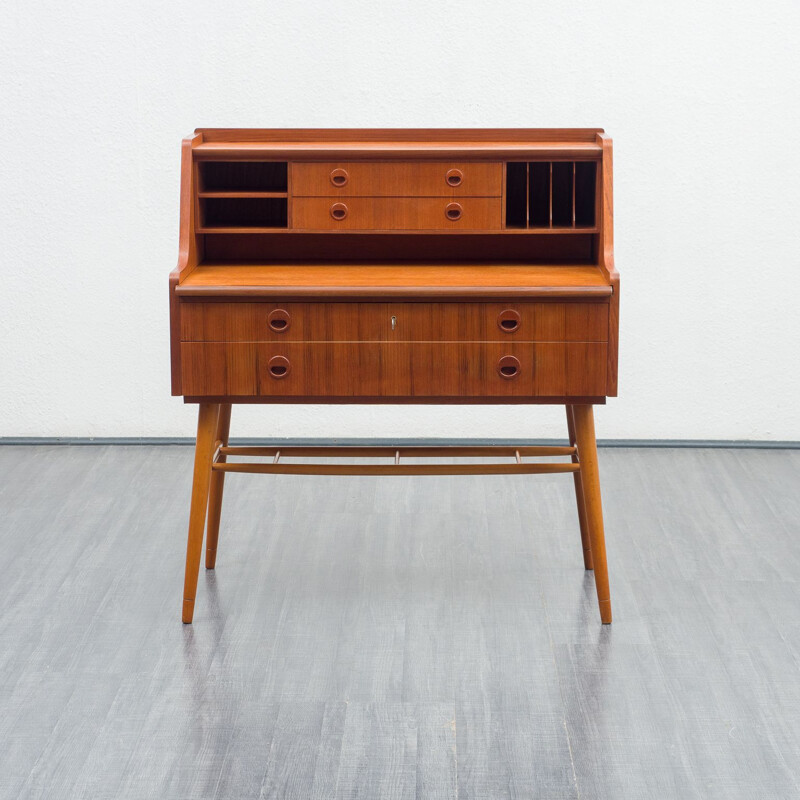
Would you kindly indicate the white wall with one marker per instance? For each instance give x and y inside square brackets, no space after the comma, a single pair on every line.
[702,99]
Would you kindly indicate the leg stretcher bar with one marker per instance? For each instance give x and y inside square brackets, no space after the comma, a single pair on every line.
[395,455]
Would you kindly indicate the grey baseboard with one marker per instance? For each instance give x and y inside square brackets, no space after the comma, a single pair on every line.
[288,441]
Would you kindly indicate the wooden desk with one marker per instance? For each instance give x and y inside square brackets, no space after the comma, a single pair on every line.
[394,266]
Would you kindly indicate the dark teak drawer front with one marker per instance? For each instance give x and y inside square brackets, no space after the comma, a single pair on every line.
[397,179]
[396,213]
[396,322]
[422,369]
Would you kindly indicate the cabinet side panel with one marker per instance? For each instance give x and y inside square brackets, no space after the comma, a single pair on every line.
[174,334]
[606,258]
[189,254]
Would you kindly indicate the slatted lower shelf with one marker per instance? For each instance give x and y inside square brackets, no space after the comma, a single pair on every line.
[395,457]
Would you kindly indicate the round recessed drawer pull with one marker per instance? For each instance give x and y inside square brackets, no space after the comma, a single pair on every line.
[279,320]
[338,210]
[508,367]
[279,366]
[453,211]
[509,320]
[454,177]
[339,177]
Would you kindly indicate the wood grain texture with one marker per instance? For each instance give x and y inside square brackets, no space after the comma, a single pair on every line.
[207,419]
[396,213]
[216,487]
[189,254]
[390,369]
[606,248]
[325,468]
[273,200]
[401,150]
[397,280]
[396,179]
[420,322]
[397,135]
[583,417]
[420,144]
[580,497]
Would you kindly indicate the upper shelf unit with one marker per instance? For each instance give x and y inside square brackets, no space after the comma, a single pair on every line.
[255,196]
[545,195]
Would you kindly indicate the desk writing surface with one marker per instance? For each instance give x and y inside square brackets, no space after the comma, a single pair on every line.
[414,280]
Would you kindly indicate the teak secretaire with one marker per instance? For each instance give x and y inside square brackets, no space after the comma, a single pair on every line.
[394,266]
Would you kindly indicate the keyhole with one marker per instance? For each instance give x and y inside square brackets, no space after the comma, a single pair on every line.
[394,322]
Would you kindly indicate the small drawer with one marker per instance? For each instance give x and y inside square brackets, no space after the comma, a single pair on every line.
[395,322]
[403,369]
[396,213]
[397,179]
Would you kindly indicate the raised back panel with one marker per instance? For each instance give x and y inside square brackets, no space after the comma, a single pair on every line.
[359,247]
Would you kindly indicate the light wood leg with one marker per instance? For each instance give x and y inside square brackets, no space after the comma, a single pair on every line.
[216,487]
[587,455]
[207,416]
[579,497]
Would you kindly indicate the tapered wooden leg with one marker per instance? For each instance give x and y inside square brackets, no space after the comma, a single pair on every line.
[579,497]
[216,487]
[587,455]
[204,450]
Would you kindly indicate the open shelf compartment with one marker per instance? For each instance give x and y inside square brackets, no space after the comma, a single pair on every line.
[243,212]
[551,195]
[261,177]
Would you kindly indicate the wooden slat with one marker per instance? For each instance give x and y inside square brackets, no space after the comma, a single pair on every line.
[242,194]
[397,469]
[455,451]
[272,151]
[252,230]
[605,220]
[395,135]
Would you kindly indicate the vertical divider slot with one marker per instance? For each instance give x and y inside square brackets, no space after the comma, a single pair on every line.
[516,194]
[539,194]
[585,189]
[562,194]
[551,194]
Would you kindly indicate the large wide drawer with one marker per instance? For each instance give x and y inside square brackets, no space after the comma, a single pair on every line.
[396,213]
[401,370]
[397,179]
[396,322]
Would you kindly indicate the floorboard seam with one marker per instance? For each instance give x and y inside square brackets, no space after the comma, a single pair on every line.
[563,697]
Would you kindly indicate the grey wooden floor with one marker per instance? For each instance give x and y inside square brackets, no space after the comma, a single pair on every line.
[400,637]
